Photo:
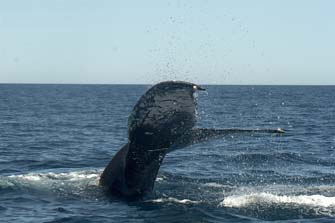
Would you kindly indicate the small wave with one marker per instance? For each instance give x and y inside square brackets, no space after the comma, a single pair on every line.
[70,176]
[213,184]
[281,201]
[173,200]
[82,183]
[239,201]
[159,179]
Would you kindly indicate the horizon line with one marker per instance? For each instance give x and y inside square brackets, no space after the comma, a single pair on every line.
[226,84]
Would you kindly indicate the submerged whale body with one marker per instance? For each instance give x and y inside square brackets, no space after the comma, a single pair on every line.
[162,120]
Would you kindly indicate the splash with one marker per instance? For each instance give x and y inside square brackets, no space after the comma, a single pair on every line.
[174,200]
[82,183]
[272,201]
[240,201]
[51,176]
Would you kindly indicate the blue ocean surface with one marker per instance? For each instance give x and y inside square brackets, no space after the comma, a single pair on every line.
[55,141]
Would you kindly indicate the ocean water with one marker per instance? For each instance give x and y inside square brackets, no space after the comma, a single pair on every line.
[55,141]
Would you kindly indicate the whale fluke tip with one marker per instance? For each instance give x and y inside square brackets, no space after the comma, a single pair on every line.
[199,88]
[280,130]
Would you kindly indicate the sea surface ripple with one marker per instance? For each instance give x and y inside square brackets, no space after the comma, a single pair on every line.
[55,141]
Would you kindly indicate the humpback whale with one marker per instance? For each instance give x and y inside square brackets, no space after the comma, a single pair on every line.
[162,121]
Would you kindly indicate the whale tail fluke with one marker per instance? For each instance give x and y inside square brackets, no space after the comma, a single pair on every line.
[161,121]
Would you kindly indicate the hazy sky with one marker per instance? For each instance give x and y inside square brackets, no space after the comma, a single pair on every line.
[213,42]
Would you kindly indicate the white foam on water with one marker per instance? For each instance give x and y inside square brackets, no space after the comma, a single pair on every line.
[263,198]
[159,179]
[174,200]
[217,185]
[213,184]
[83,183]
[70,176]
[29,177]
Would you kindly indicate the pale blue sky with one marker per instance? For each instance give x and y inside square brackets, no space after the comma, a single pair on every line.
[212,42]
